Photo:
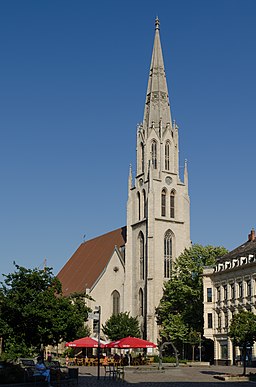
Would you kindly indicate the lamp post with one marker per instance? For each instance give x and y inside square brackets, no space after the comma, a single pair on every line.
[99,313]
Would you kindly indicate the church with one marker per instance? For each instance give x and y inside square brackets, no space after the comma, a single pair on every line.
[124,270]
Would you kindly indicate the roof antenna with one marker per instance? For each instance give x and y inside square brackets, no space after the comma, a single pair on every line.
[84,238]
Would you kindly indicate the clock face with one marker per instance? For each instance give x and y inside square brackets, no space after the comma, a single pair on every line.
[168,180]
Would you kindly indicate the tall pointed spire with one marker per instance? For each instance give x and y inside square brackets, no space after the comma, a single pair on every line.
[157,108]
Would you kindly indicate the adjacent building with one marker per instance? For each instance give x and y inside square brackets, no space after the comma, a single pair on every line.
[125,269]
[229,287]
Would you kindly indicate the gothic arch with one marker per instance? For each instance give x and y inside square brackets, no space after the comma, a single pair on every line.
[172,203]
[139,205]
[154,153]
[144,203]
[115,302]
[141,303]
[168,253]
[142,156]
[141,248]
[163,202]
[167,150]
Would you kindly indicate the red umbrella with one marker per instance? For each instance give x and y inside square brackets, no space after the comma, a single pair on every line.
[85,342]
[131,342]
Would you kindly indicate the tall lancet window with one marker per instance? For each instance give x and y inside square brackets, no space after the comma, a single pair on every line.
[167,254]
[167,156]
[141,308]
[139,204]
[172,204]
[116,302]
[154,154]
[163,203]
[141,254]
[142,157]
[144,204]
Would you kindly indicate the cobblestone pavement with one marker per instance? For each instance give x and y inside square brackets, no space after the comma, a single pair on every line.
[171,376]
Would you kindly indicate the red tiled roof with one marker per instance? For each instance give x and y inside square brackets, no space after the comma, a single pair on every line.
[87,263]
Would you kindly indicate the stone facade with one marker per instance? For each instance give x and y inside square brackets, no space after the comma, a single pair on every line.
[228,288]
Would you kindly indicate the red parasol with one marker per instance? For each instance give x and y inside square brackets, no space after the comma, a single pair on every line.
[84,342]
[131,342]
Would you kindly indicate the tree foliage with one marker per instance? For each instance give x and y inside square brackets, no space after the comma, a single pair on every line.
[243,331]
[34,313]
[183,293]
[121,325]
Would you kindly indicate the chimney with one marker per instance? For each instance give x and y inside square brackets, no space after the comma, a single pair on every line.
[251,236]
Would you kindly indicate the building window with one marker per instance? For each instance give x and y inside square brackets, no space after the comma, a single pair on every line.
[142,255]
[138,196]
[172,204]
[167,255]
[142,157]
[226,320]
[209,294]
[163,203]
[167,156]
[154,154]
[224,351]
[209,320]
[144,204]
[225,292]
[116,302]
[233,291]
[219,321]
[218,293]
[249,288]
[141,311]
[241,290]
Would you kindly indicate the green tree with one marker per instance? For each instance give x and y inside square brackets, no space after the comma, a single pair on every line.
[243,332]
[34,313]
[183,293]
[121,325]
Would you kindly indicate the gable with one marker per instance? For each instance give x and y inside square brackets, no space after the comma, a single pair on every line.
[86,265]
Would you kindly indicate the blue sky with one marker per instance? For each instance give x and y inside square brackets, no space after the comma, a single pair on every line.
[73,78]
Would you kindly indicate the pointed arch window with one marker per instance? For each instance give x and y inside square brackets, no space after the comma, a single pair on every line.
[144,204]
[172,204]
[116,302]
[167,156]
[142,156]
[163,203]
[141,303]
[167,254]
[141,255]
[139,205]
[154,154]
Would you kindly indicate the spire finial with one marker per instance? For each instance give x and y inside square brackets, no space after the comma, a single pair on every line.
[157,23]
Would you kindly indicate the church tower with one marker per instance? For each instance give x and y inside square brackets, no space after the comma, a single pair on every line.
[158,207]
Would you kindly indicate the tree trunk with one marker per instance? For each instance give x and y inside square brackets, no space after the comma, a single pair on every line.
[161,354]
[193,352]
[244,360]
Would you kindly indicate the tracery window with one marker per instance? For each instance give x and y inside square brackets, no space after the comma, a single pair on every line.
[167,156]
[154,154]
[116,302]
[172,204]
[168,254]
[141,254]
[163,203]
